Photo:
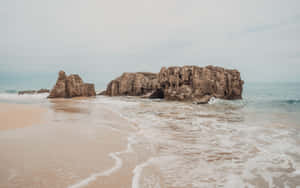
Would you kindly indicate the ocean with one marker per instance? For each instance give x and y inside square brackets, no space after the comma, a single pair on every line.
[252,142]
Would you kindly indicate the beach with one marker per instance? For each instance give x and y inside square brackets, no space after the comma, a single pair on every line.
[150,94]
[123,142]
[59,145]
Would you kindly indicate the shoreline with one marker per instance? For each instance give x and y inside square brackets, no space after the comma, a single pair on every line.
[117,142]
[88,141]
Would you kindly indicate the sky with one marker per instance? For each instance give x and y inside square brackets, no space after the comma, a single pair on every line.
[102,39]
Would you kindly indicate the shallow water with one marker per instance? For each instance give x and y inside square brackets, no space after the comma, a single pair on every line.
[248,143]
[252,142]
[219,145]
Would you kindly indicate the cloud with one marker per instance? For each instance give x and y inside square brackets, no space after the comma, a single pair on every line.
[105,38]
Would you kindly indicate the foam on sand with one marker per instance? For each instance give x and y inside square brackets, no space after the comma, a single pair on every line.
[138,172]
[116,167]
[26,98]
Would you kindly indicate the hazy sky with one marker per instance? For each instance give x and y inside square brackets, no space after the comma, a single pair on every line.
[101,39]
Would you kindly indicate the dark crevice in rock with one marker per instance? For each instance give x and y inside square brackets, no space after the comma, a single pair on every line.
[157,94]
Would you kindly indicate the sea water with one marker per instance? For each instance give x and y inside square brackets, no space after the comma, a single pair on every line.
[252,142]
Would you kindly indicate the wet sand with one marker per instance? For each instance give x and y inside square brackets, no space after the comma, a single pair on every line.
[13,116]
[77,145]
[124,142]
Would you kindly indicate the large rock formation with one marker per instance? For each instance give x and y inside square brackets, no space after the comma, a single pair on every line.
[71,86]
[192,83]
[187,83]
[133,84]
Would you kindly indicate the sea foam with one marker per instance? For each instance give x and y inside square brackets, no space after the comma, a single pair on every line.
[26,98]
[116,167]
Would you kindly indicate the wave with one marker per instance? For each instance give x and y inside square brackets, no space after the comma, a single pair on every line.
[118,165]
[291,101]
[11,91]
[137,173]
[190,142]
[93,177]
[278,102]
[267,102]
[230,104]
[27,98]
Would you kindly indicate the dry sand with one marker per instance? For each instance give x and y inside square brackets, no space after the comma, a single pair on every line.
[14,116]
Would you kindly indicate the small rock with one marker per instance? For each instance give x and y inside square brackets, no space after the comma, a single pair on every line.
[71,86]
[27,92]
[43,91]
[204,100]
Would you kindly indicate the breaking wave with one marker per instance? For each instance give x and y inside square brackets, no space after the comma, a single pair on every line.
[26,98]
[222,144]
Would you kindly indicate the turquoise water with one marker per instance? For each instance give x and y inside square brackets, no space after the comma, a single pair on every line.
[276,93]
[274,98]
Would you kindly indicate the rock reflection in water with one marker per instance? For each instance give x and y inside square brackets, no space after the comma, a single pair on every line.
[69,106]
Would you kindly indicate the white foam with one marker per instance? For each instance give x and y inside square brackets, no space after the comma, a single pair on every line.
[12,175]
[114,101]
[115,106]
[213,100]
[116,167]
[233,181]
[108,172]
[25,97]
[296,173]
[216,137]
[137,172]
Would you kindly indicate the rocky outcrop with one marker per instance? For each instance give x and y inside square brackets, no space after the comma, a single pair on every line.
[133,84]
[43,91]
[71,86]
[27,92]
[199,84]
[187,83]
[34,91]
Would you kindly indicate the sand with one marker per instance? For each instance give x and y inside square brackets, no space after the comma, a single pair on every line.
[13,116]
[79,145]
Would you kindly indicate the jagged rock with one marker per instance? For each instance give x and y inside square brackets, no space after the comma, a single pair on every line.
[133,84]
[192,83]
[33,91]
[27,92]
[187,83]
[43,91]
[59,90]
[71,86]
[88,90]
